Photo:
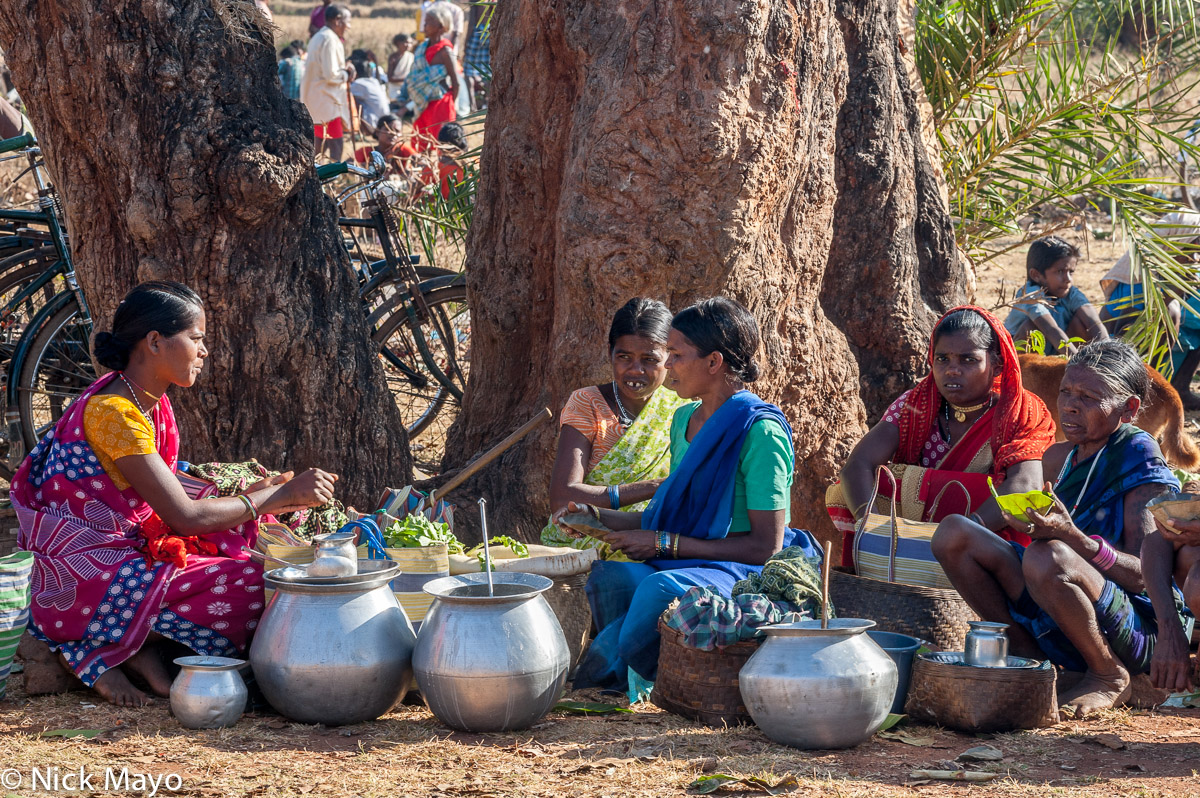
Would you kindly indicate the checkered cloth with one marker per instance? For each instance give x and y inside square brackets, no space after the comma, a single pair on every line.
[708,620]
[477,58]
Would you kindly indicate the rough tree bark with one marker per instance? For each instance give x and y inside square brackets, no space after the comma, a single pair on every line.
[179,158]
[769,151]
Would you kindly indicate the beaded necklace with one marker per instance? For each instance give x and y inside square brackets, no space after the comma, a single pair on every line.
[133,391]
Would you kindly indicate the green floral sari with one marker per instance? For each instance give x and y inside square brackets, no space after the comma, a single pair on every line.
[642,453]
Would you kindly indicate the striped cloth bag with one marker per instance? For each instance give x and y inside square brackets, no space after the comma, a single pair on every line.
[894,549]
[15,570]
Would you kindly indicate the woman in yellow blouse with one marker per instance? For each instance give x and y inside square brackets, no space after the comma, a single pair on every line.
[123,555]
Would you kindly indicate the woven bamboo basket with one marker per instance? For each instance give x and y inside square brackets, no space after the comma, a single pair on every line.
[701,685]
[570,604]
[982,699]
[935,615]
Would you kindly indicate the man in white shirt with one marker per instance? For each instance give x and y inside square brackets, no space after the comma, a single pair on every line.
[326,77]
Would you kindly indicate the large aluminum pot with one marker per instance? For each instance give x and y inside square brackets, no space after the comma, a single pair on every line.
[810,687]
[490,663]
[334,650]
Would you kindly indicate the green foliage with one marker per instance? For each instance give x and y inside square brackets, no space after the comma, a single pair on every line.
[416,531]
[1041,114]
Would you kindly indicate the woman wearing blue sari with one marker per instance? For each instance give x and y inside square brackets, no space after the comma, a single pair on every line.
[1076,595]
[721,513]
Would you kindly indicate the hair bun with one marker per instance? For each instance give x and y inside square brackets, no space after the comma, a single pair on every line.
[110,351]
[752,371]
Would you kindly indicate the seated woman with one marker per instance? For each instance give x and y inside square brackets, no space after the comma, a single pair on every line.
[1074,595]
[721,513]
[614,439]
[123,557]
[970,419]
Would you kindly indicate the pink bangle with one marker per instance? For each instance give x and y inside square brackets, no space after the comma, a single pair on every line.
[1106,556]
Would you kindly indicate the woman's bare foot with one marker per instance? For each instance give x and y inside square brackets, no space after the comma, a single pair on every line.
[115,688]
[1095,692]
[148,665]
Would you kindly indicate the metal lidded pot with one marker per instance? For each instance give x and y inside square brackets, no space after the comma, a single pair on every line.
[812,688]
[208,692]
[334,650]
[986,645]
[489,663]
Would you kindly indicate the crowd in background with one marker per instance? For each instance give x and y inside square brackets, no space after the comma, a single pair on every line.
[430,80]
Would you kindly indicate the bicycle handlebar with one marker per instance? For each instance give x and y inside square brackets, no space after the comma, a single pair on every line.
[17,142]
[328,170]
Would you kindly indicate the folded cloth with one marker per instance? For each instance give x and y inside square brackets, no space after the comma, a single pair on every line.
[708,620]
[790,575]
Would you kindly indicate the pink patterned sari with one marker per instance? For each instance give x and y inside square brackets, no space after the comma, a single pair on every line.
[94,597]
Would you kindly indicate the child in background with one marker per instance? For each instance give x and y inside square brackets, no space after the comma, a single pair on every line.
[1050,303]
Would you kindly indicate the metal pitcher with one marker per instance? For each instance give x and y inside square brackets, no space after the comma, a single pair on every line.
[208,693]
[986,645]
[490,663]
[334,650]
[809,687]
[335,555]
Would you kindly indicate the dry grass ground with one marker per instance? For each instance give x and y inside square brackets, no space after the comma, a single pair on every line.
[368,32]
[647,753]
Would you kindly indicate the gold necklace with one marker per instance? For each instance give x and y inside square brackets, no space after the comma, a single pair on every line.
[960,413]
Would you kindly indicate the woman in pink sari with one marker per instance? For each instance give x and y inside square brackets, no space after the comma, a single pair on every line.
[124,556]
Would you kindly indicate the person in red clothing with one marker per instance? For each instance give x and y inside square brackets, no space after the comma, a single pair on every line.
[433,82]
[451,138]
[394,150]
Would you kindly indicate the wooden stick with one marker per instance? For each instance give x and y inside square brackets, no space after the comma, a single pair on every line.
[826,567]
[490,455]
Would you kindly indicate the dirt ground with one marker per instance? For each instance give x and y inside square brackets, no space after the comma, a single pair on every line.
[647,752]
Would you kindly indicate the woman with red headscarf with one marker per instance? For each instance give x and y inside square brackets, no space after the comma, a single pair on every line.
[968,420]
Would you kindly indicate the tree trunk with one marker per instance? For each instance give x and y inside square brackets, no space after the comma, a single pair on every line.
[769,151]
[179,158]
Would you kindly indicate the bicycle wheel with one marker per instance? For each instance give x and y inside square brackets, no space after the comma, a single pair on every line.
[429,402]
[56,369]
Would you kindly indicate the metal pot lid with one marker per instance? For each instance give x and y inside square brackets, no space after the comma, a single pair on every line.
[988,626]
[371,574]
[507,586]
[210,663]
[958,658]
[840,627]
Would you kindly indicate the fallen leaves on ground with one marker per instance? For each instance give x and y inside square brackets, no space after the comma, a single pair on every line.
[717,781]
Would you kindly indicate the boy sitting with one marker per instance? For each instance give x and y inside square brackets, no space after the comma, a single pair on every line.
[1050,303]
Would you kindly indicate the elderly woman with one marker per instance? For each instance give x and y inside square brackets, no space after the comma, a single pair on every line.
[1075,594]
[717,518]
[433,81]
[124,557]
[614,439]
[968,420]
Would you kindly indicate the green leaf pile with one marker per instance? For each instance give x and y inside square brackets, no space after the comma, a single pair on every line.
[415,531]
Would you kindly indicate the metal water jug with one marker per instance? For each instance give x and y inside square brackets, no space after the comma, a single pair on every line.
[334,650]
[208,693]
[489,663]
[986,645]
[809,687]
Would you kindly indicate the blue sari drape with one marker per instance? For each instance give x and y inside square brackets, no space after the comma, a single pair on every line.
[696,500]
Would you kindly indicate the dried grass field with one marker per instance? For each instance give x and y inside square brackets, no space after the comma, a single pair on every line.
[369,29]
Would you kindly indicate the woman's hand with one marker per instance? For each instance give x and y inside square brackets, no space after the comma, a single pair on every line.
[1054,524]
[637,544]
[1180,533]
[312,488]
[270,482]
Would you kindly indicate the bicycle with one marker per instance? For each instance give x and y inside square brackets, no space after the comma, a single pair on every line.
[423,318]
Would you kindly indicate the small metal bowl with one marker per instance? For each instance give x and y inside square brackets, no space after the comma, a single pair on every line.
[957,658]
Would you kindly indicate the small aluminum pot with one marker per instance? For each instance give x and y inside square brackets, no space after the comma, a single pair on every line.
[208,693]
[986,645]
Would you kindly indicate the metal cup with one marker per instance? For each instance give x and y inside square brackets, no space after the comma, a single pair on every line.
[986,645]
